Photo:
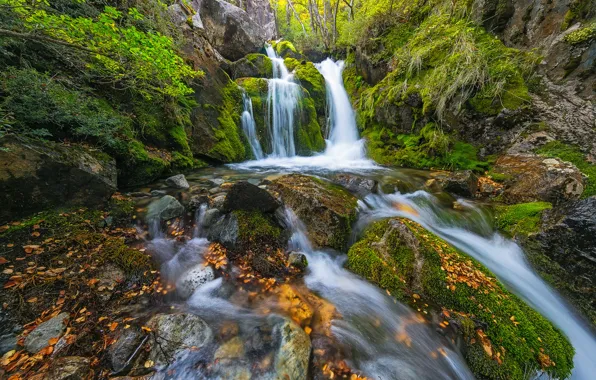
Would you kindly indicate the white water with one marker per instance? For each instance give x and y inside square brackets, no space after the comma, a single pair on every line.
[503,257]
[344,151]
[371,321]
[250,128]
[283,100]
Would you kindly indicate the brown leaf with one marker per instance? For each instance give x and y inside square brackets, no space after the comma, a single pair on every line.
[52,341]
[32,300]
[3,260]
[113,326]
[93,281]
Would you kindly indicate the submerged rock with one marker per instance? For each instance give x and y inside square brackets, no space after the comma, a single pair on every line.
[37,175]
[39,337]
[360,186]
[327,210]
[535,178]
[419,268]
[291,361]
[246,196]
[165,208]
[178,182]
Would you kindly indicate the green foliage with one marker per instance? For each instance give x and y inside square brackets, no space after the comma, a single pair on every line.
[576,157]
[520,219]
[430,148]
[582,35]
[385,257]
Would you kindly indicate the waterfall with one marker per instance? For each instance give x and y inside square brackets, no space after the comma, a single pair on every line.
[250,128]
[503,257]
[283,100]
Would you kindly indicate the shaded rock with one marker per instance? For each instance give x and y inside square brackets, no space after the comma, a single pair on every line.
[251,66]
[120,354]
[196,201]
[246,196]
[230,29]
[291,360]
[260,11]
[326,209]
[165,208]
[357,185]
[139,194]
[9,330]
[39,337]
[69,368]
[178,182]
[487,188]
[225,231]
[535,178]
[158,193]
[38,175]
[298,260]
[463,183]
[218,201]
[192,279]
[211,217]
[176,333]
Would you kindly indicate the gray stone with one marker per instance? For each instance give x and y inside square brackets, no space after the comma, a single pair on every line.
[158,193]
[248,197]
[215,190]
[39,337]
[297,260]
[358,185]
[291,360]
[69,368]
[176,333]
[121,352]
[178,181]
[218,201]
[218,181]
[463,183]
[192,279]
[225,231]
[165,208]
[211,217]
[139,194]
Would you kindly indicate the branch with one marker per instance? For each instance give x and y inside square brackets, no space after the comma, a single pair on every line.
[41,38]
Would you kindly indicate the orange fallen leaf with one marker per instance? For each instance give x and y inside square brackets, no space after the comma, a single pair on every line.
[93,281]
[3,260]
[52,341]
[113,326]
[146,329]
[32,300]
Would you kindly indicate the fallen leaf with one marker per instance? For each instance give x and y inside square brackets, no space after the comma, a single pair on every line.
[32,300]
[113,326]
[3,260]
[149,364]
[93,281]
[52,341]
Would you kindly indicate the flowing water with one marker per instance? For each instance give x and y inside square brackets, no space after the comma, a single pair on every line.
[376,335]
[250,128]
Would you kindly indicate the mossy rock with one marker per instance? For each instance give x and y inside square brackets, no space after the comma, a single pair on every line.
[139,166]
[521,219]
[399,255]
[308,135]
[286,49]
[257,89]
[311,79]
[253,65]
[327,210]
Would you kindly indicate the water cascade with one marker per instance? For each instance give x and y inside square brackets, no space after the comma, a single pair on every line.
[283,100]
[250,128]
[503,257]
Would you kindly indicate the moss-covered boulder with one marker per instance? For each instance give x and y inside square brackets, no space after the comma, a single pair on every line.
[286,49]
[257,89]
[253,65]
[311,79]
[503,337]
[37,175]
[326,209]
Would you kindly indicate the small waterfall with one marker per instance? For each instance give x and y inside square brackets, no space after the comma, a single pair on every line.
[250,128]
[503,257]
[283,101]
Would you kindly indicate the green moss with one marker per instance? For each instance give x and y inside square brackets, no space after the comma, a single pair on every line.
[583,35]
[229,145]
[257,89]
[258,233]
[137,165]
[387,256]
[308,136]
[520,219]
[575,156]
[285,48]
[311,79]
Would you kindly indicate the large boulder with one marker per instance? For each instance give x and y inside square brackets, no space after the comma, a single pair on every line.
[246,196]
[165,208]
[326,209]
[419,268]
[361,186]
[463,183]
[37,175]
[534,178]
[230,29]
[260,11]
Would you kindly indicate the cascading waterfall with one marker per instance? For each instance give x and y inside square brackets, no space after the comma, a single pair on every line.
[250,128]
[283,100]
[503,257]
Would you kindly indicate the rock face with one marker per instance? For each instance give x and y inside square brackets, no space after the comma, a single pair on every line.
[246,196]
[230,29]
[52,328]
[176,333]
[260,11]
[165,208]
[326,209]
[178,182]
[417,266]
[535,178]
[39,175]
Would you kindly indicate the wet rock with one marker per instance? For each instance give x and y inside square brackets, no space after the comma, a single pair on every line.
[357,185]
[246,196]
[225,231]
[178,182]
[290,301]
[192,279]
[176,333]
[217,181]
[196,201]
[251,66]
[291,360]
[230,350]
[120,354]
[39,337]
[211,217]
[215,190]
[298,260]
[158,193]
[326,209]
[487,188]
[165,208]
[9,331]
[139,194]
[463,183]
[535,178]
[69,368]
[231,371]
[37,175]
[218,201]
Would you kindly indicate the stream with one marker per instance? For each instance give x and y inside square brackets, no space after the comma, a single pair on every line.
[377,336]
